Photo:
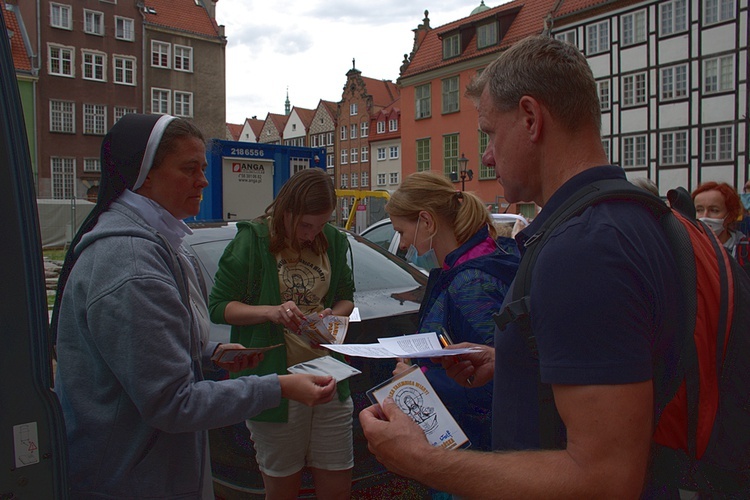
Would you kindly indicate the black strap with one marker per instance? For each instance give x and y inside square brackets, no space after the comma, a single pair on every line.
[518,309]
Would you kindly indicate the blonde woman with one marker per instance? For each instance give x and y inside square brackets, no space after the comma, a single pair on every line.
[450,232]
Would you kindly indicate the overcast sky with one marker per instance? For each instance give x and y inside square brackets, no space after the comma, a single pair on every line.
[308,46]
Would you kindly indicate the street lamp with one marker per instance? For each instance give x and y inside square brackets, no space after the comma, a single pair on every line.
[462,163]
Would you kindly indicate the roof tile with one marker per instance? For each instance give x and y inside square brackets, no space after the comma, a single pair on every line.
[183,15]
[21,59]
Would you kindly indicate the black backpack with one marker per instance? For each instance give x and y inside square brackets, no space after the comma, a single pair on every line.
[706,444]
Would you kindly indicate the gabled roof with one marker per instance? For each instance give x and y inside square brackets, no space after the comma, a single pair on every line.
[305,115]
[182,15]
[255,124]
[21,59]
[331,106]
[383,92]
[234,130]
[278,121]
[527,18]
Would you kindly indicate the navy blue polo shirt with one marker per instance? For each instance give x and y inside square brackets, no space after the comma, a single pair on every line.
[603,310]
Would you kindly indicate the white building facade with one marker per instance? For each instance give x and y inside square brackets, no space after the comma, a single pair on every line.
[672,81]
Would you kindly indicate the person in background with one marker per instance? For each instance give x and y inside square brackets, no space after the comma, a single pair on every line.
[744,225]
[451,234]
[718,206]
[279,268]
[131,325]
[597,340]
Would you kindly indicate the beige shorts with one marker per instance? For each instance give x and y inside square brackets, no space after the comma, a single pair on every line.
[318,436]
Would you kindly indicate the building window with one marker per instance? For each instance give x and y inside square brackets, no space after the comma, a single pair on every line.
[381,154]
[329,160]
[121,111]
[353,109]
[450,154]
[160,54]
[716,11]
[673,148]
[634,89]
[718,144]
[344,181]
[183,58]
[450,95]
[94,119]
[393,152]
[487,35]
[92,165]
[674,82]
[718,74]
[353,131]
[365,155]
[60,61]
[365,179]
[364,129]
[329,139]
[183,104]
[60,16]
[93,66]
[634,28]
[597,38]
[354,158]
[160,101]
[355,179]
[381,179]
[393,178]
[605,145]
[381,127]
[392,125]
[343,132]
[485,171]
[452,46]
[124,28]
[634,151]
[344,156]
[602,89]
[423,155]
[124,68]
[567,37]
[63,177]
[62,117]
[673,17]
[93,22]
[422,101]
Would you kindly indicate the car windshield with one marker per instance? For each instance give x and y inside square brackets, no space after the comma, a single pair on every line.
[375,270]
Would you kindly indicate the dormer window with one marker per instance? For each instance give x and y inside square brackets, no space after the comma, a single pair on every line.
[452,46]
[487,35]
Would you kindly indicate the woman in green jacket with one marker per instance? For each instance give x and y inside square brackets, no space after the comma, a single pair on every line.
[280,268]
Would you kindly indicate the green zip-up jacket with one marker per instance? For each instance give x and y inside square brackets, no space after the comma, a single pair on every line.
[247,273]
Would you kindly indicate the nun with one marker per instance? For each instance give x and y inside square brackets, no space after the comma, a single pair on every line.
[131,328]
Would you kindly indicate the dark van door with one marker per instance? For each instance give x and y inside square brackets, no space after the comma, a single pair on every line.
[32,434]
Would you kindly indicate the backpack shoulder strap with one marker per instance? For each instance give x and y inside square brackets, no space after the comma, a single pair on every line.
[518,309]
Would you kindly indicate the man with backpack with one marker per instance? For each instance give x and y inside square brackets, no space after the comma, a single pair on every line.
[603,311]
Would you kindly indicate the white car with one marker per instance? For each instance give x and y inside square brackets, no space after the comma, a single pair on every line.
[382,233]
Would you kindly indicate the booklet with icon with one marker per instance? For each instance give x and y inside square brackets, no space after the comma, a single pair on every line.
[414,395]
[326,330]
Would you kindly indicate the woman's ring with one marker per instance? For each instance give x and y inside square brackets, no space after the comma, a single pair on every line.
[288,310]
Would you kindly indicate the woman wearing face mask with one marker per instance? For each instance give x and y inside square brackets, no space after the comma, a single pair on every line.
[719,207]
[451,234]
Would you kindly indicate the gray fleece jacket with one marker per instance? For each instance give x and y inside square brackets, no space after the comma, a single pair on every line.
[129,377]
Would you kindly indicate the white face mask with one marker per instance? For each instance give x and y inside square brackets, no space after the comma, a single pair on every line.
[716,225]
